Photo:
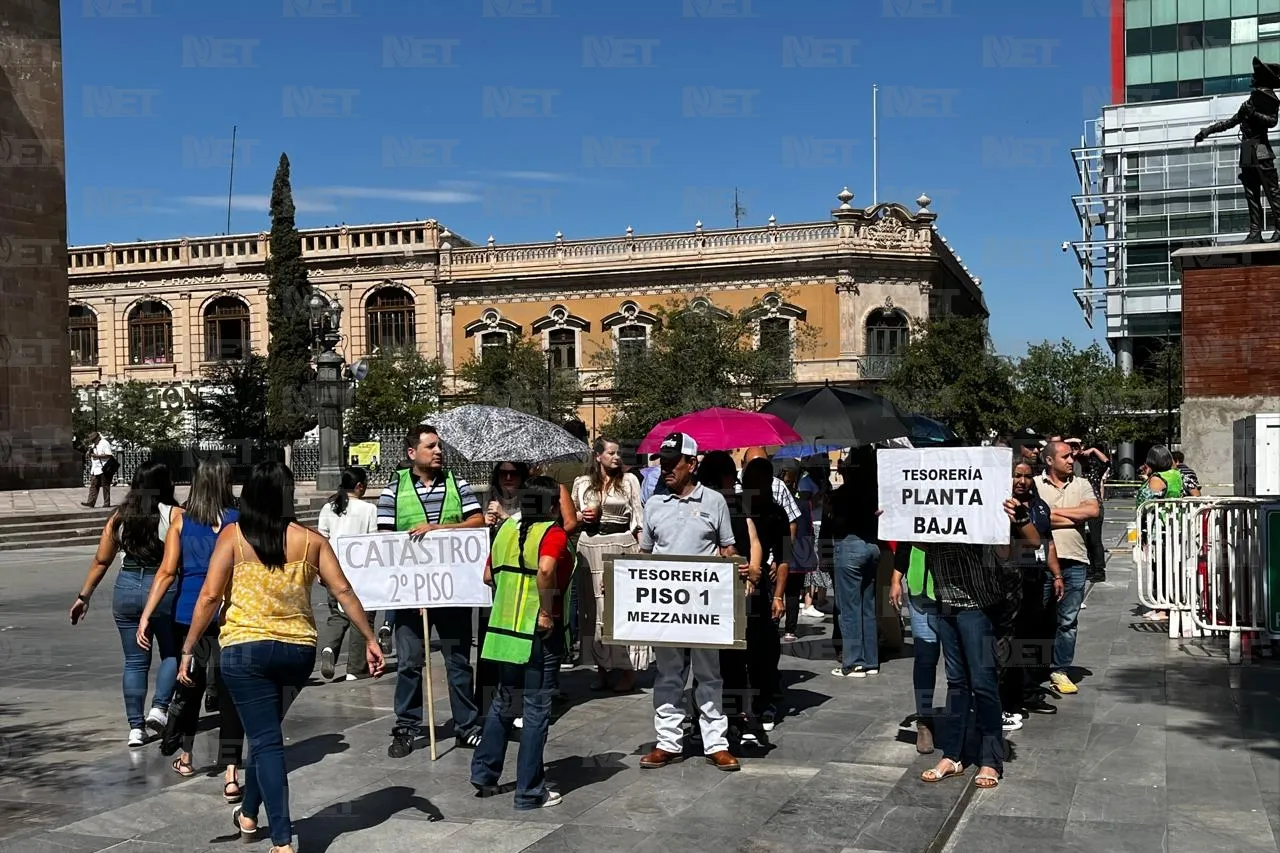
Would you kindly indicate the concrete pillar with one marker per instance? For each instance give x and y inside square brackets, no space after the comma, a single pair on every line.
[1123,466]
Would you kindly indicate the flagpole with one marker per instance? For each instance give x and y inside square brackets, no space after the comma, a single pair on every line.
[875,144]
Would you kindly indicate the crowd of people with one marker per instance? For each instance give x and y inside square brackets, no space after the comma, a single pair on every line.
[222,589]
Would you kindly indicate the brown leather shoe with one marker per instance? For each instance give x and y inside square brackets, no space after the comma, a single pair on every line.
[659,758]
[722,760]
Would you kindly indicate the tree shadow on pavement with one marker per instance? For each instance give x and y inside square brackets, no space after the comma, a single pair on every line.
[317,832]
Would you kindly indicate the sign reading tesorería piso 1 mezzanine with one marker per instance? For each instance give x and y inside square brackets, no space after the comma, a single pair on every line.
[684,602]
[392,571]
[945,494]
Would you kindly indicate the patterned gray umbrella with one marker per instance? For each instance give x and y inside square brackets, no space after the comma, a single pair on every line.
[494,434]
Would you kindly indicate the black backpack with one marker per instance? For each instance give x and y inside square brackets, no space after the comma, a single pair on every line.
[110,467]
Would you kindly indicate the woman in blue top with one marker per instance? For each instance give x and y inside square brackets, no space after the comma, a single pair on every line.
[192,536]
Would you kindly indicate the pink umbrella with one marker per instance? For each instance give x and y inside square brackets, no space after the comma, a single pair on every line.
[723,429]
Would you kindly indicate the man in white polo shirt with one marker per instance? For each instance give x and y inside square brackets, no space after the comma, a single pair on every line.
[1073,504]
[688,520]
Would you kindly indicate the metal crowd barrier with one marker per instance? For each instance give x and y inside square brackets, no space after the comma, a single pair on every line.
[1201,560]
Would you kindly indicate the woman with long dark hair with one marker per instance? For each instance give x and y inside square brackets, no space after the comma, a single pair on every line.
[530,569]
[764,650]
[187,549]
[263,568]
[504,493]
[342,516]
[138,528]
[608,505]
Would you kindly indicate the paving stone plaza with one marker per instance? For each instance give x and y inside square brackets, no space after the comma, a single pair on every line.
[1165,748]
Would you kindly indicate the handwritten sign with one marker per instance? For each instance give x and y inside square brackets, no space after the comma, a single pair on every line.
[391,571]
[945,494]
[684,602]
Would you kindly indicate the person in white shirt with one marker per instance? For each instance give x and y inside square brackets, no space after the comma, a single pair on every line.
[343,516]
[102,468]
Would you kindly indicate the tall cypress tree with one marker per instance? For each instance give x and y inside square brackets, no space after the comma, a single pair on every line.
[289,372]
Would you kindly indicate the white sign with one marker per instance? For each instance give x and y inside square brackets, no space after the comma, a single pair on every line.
[682,602]
[945,494]
[391,571]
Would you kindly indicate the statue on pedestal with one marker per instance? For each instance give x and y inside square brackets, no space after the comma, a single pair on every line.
[1256,116]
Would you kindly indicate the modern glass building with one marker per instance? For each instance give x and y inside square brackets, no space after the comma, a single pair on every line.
[1145,189]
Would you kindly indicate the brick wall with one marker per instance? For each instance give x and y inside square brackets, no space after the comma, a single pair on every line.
[35,375]
[1231,331]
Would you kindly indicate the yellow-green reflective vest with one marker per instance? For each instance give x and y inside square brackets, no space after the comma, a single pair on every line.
[513,622]
[409,509]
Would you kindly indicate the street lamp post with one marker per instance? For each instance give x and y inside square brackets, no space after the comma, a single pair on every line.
[331,390]
[96,385]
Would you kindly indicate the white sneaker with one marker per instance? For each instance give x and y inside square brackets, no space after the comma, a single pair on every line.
[156,720]
[1011,722]
[553,799]
[812,612]
[137,737]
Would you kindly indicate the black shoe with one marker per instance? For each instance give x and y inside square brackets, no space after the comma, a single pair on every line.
[486,791]
[401,742]
[1038,706]
[469,740]
[211,699]
[326,664]
[384,639]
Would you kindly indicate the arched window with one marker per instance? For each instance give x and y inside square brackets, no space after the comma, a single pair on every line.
[562,344]
[390,312]
[775,338]
[150,333]
[493,342]
[226,329]
[888,332]
[633,342]
[82,336]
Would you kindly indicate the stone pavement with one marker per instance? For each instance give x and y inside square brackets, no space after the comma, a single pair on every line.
[1163,737]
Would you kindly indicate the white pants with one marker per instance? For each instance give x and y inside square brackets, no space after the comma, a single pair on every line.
[668,698]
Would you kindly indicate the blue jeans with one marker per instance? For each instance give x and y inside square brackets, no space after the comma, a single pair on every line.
[855,575]
[924,640]
[127,601]
[453,627]
[264,678]
[968,640]
[1064,642]
[534,682]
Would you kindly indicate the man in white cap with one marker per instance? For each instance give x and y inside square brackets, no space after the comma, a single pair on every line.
[687,520]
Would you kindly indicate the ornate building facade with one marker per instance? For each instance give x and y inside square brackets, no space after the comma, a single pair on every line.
[163,311]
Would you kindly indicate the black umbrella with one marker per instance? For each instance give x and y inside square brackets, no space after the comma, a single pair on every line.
[835,415]
[926,431]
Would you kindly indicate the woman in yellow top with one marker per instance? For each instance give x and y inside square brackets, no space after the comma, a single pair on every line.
[261,574]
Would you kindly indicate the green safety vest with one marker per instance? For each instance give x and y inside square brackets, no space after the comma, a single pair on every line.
[513,622]
[919,578]
[409,509]
[1174,486]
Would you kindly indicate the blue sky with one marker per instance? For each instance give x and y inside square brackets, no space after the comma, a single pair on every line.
[520,118]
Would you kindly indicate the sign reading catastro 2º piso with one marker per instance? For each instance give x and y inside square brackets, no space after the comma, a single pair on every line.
[945,494]
[392,571]
[685,602]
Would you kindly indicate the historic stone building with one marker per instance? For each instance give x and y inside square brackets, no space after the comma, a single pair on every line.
[162,311]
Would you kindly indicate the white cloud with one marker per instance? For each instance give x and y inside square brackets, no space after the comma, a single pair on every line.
[545,177]
[261,203]
[330,199]
[438,196]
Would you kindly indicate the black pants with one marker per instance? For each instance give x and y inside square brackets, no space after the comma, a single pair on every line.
[751,678]
[794,594]
[1025,647]
[1096,545]
[184,711]
[1006,624]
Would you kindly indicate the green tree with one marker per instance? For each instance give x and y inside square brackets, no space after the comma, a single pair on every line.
[132,415]
[233,401]
[400,389]
[697,358]
[82,414]
[950,371]
[289,371]
[517,376]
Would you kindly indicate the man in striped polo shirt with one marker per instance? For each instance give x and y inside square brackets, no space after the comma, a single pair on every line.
[425,497]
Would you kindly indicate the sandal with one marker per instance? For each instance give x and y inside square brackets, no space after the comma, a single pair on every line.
[231,796]
[934,774]
[237,815]
[470,740]
[182,768]
[986,783]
